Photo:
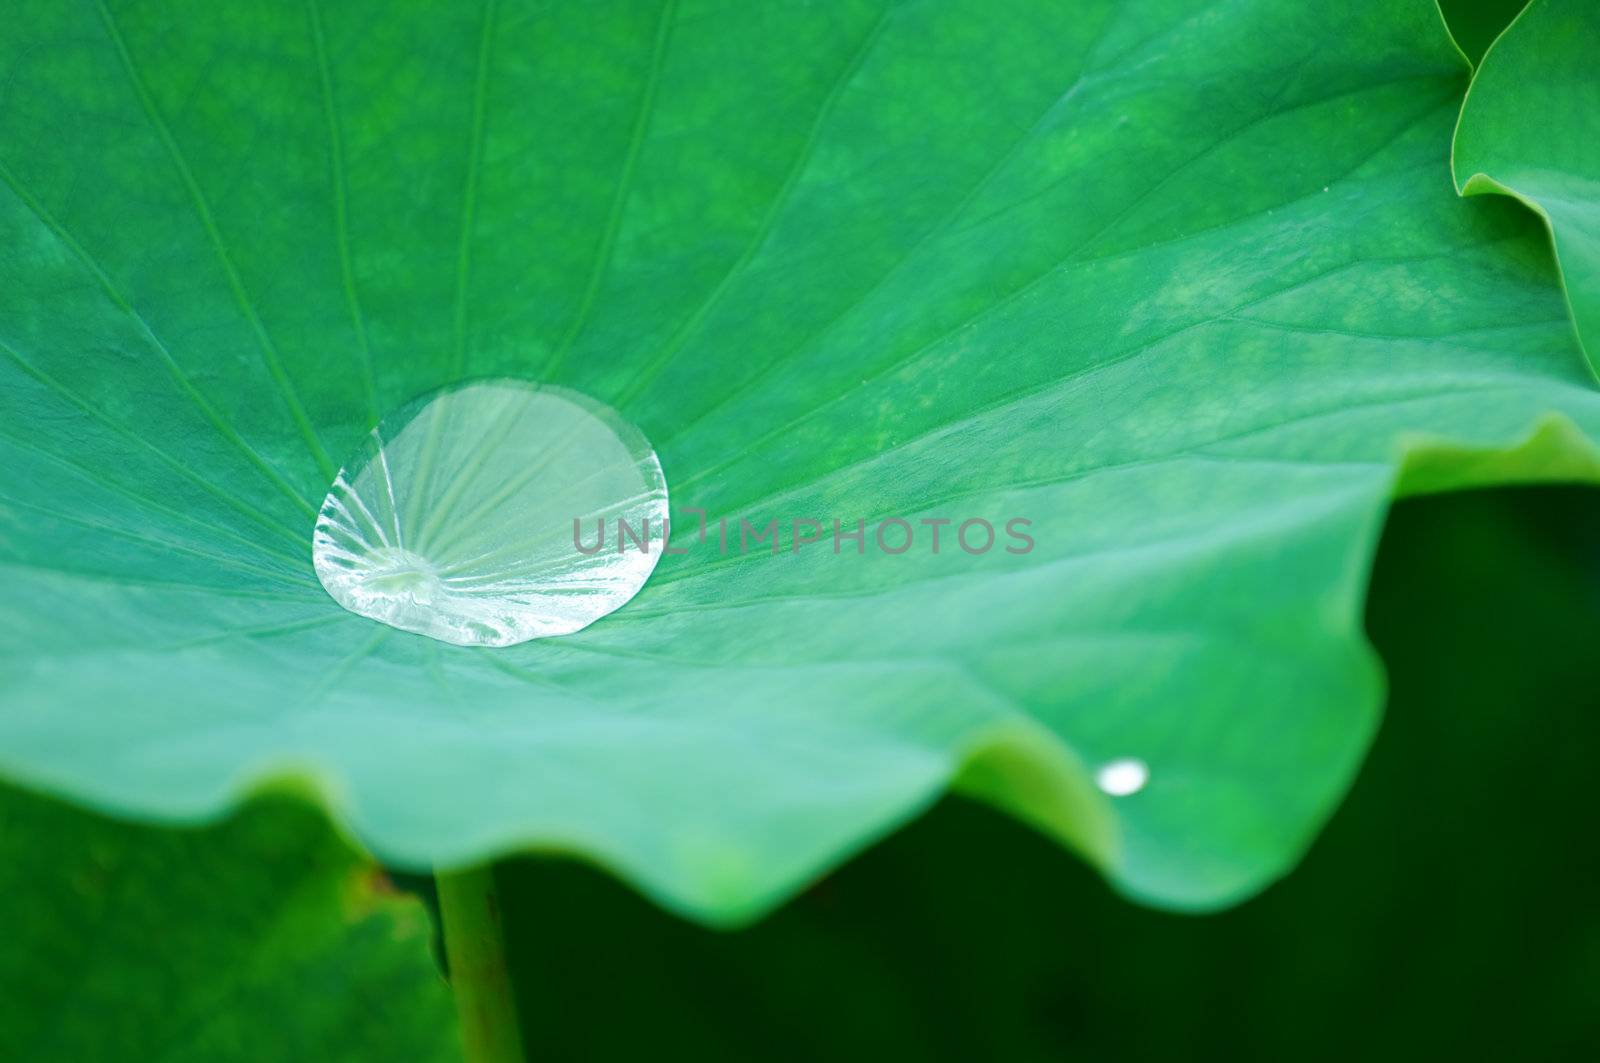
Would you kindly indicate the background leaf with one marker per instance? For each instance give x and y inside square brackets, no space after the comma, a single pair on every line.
[1529,129]
[263,938]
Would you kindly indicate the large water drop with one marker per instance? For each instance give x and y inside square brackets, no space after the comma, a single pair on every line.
[456,519]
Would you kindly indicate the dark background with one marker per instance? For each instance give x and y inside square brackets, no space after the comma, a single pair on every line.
[1449,910]
[1476,23]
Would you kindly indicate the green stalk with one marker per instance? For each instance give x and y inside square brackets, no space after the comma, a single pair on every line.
[475,946]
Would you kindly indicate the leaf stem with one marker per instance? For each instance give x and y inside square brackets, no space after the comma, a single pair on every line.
[469,907]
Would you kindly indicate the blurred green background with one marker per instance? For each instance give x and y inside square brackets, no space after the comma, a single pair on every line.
[1451,909]
[1476,23]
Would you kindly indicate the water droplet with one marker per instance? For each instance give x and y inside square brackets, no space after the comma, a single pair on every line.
[455,520]
[1123,776]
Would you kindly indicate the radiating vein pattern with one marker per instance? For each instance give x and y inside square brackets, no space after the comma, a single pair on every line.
[1183,285]
[463,517]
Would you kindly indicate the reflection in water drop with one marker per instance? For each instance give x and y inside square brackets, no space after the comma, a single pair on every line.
[1121,777]
[456,518]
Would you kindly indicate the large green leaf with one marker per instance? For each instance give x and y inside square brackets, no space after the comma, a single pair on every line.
[1530,128]
[1185,285]
[263,938]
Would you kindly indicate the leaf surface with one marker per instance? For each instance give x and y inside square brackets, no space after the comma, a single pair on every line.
[1185,286]
[1529,129]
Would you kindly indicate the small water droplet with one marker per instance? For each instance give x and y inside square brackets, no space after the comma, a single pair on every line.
[1123,776]
[455,520]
